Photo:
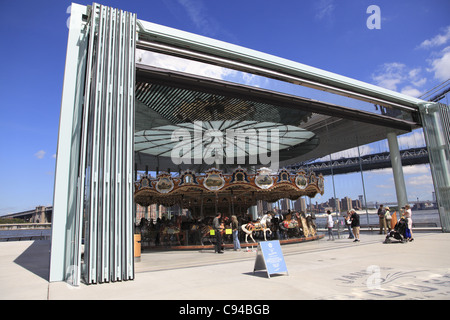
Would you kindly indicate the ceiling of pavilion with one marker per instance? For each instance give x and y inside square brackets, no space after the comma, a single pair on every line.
[168,102]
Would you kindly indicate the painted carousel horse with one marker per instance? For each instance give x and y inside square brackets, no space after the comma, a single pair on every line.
[291,226]
[308,226]
[172,230]
[262,225]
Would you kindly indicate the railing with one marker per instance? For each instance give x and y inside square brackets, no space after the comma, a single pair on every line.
[24,237]
[418,226]
[16,226]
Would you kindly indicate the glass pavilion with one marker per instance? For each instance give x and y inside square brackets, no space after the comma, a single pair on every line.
[124,98]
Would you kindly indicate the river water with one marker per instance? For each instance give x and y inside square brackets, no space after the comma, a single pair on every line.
[418,216]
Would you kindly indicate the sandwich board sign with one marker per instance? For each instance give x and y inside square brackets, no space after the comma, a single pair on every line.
[270,258]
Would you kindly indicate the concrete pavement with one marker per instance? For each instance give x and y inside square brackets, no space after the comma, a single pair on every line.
[321,269]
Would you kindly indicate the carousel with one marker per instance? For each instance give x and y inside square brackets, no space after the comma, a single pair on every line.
[206,194]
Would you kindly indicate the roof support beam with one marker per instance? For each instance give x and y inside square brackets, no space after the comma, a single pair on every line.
[228,89]
[159,38]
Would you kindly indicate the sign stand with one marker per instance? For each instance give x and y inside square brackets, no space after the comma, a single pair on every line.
[270,258]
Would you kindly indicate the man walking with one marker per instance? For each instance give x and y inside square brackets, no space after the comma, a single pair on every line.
[381,219]
[217,230]
[330,225]
[355,224]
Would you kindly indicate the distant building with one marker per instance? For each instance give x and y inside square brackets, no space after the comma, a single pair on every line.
[285,205]
[300,205]
[335,204]
[357,204]
[346,203]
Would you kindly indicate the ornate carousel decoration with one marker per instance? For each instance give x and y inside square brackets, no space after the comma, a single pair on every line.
[206,193]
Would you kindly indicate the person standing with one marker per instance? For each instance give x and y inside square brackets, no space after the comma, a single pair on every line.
[217,229]
[388,218]
[381,219]
[330,225]
[235,230]
[408,215]
[348,223]
[355,224]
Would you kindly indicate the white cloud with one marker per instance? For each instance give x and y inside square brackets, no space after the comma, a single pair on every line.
[198,68]
[325,9]
[182,65]
[198,15]
[413,139]
[385,186]
[439,60]
[420,83]
[397,76]
[437,40]
[441,65]
[407,170]
[40,154]
[422,180]
[417,169]
[204,21]
[376,172]
[410,91]
[390,75]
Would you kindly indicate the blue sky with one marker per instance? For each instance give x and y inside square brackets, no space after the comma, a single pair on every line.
[409,54]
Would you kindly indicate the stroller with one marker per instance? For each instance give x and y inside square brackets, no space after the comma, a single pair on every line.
[398,233]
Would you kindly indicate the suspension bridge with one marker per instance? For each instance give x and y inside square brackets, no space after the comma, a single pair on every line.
[412,156]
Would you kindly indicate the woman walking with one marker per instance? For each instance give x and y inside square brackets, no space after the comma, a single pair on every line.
[348,223]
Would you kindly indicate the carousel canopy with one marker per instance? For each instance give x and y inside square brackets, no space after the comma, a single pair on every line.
[214,190]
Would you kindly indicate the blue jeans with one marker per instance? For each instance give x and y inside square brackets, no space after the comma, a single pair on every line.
[330,233]
[236,243]
[350,232]
[408,233]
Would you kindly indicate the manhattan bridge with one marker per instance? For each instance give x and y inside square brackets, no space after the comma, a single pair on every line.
[348,163]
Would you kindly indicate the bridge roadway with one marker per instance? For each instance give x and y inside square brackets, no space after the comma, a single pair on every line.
[375,161]
[41,214]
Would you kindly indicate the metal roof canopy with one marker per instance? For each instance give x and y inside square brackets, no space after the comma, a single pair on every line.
[330,122]
[228,89]
[167,40]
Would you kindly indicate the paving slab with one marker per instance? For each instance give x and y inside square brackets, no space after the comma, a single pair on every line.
[328,270]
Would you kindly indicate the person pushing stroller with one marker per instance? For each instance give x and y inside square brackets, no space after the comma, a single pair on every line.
[399,232]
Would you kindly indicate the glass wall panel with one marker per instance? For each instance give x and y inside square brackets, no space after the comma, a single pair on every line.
[436,119]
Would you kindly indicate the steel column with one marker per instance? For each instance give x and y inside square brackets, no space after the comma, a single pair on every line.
[98,194]
[397,169]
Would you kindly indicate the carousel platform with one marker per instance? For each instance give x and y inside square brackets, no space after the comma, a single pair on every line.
[226,245]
